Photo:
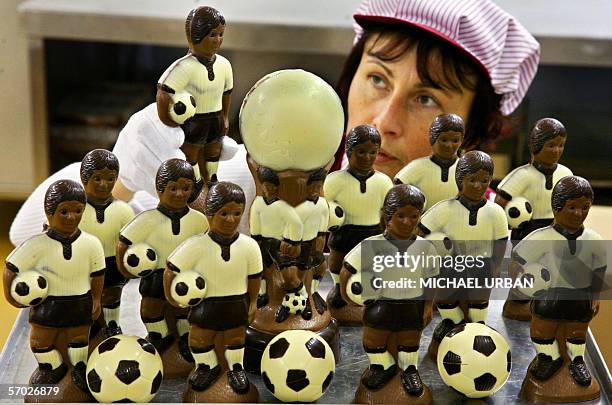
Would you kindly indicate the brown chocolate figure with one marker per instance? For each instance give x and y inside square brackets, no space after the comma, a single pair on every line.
[104,217]
[435,175]
[471,218]
[72,264]
[163,229]
[360,191]
[534,182]
[561,314]
[393,317]
[207,76]
[231,265]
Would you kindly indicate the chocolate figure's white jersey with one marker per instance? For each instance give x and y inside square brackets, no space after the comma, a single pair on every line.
[188,74]
[278,220]
[155,228]
[223,278]
[548,247]
[65,277]
[528,182]
[452,218]
[116,216]
[360,208]
[314,217]
[427,176]
[379,246]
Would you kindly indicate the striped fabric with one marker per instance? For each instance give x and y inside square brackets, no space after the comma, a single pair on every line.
[492,37]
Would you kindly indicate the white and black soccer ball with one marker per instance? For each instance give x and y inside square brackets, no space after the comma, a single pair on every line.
[183,107]
[474,359]
[534,279]
[188,288]
[124,369]
[354,289]
[297,366]
[140,260]
[29,288]
[518,210]
[295,302]
[442,243]
[336,216]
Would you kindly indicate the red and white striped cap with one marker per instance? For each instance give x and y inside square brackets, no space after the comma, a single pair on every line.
[491,36]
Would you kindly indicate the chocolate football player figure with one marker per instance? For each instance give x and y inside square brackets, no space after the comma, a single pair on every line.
[360,191]
[393,312]
[207,76]
[435,175]
[561,314]
[231,265]
[104,217]
[534,182]
[72,263]
[471,218]
[163,229]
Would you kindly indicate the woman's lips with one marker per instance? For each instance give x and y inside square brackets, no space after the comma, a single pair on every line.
[383,157]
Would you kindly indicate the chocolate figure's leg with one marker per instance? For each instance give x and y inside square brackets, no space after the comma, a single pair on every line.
[576,343]
[192,153]
[335,265]
[111,301]
[408,357]
[212,154]
[451,315]
[548,359]
[201,343]
[51,368]
[152,314]
[477,311]
[78,350]
[382,364]
[317,275]
[233,339]
[182,327]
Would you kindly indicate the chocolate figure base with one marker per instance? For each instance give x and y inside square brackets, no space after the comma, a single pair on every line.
[560,388]
[348,315]
[174,364]
[391,393]
[220,392]
[68,392]
[517,310]
[432,350]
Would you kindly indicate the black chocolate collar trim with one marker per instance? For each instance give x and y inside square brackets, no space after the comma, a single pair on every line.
[270,201]
[473,207]
[208,64]
[400,244]
[361,178]
[66,241]
[571,237]
[547,171]
[100,207]
[224,242]
[444,166]
[175,217]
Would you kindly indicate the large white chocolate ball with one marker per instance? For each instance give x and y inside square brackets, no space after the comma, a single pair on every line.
[291,119]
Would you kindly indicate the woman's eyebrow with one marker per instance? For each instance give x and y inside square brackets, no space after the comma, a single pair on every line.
[374,58]
[426,85]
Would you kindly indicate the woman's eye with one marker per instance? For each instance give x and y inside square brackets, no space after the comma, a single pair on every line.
[377,81]
[427,101]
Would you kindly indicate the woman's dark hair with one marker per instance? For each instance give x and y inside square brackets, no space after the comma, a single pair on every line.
[60,191]
[172,170]
[445,123]
[542,131]
[200,21]
[361,134]
[458,69]
[97,159]
[472,162]
[570,188]
[400,196]
[220,194]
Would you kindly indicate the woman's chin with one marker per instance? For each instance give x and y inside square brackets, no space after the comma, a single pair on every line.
[390,167]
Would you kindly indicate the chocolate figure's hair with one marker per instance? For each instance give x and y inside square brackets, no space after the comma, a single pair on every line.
[200,21]
[317,175]
[472,162]
[400,196]
[445,123]
[361,134]
[97,159]
[542,131]
[220,194]
[569,188]
[267,175]
[60,191]
[172,170]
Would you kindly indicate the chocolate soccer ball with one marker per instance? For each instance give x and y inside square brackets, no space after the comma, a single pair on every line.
[140,260]
[534,279]
[188,288]
[183,107]
[29,288]
[518,211]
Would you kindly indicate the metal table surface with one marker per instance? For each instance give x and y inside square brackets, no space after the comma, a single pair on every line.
[17,362]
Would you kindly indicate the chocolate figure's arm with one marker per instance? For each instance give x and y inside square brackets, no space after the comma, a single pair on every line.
[10,272]
[502,199]
[122,246]
[163,101]
[169,275]
[226,102]
[253,290]
[97,285]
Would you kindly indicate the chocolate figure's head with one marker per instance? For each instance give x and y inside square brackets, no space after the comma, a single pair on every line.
[362,145]
[445,135]
[473,175]
[315,183]
[204,28]
[269,182]
[225,203]
[571,201]
[401,210]
[99,171]
[64,206]
[547,141]
[174,183]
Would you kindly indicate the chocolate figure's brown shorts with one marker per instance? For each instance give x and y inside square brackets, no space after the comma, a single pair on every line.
[203,128]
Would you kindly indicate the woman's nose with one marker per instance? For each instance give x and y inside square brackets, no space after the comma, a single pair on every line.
[389,117]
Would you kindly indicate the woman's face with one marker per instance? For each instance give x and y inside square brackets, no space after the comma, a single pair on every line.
[390,96]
